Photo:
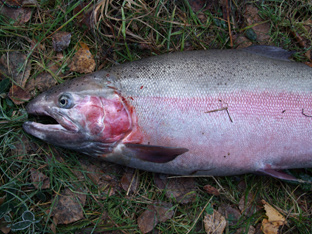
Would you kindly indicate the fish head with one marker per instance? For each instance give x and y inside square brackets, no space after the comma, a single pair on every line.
[91,115]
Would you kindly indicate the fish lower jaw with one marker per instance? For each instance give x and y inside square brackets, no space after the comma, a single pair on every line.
[31,127]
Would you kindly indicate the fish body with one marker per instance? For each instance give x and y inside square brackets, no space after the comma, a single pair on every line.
[216,112]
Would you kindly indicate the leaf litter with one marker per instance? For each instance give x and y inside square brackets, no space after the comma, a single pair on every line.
[83,61]
[69,206]
[275,219]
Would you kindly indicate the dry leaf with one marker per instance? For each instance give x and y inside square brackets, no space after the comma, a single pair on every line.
[157,212]
[268,227]
[251,230]
[85,17]
[261,29]
[20,15]
[83,61]
[147,221]
[94,172]
[130,181]
[181,189]
[4,226]
[274,221]
[247,206]
[39,180]
[69,207]
[163,211]
[21,146]
[60,41]
[231,214]
[215,223]
[18,95]
[211,190]
[44,80]
[14,63]
[272,213]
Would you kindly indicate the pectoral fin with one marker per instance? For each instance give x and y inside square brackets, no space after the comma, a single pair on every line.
[153,153]
[278,174]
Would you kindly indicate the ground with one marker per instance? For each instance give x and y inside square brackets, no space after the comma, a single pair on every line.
[46,189]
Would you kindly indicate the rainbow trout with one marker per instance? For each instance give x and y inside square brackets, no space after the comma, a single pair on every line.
[216,112]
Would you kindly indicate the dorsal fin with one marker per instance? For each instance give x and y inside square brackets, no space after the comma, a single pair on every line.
[270,52]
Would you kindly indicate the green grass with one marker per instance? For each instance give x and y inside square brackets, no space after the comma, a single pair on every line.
[125,31]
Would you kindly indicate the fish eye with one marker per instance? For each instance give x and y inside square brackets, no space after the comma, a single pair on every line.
[65,101]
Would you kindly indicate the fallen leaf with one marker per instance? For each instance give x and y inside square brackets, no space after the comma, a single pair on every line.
[163,210]
[68,208]
[241,41]
[18,95]
[39,180]
[183,190]
[13,3]
[247,206]
[268,227]
[308,63]
[147,221]
[83,61]
[214,223]
[130,181]
[60,41]
[44,80]
[85,17]
[16,67]
[261,28]
[251,230]
[211,190]
[155,213]
[21,146]
[4,226]
[94,172]
[274,221]
[231,214]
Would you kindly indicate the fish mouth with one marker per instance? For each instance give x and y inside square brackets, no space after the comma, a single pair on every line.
[57,128]
[52,119]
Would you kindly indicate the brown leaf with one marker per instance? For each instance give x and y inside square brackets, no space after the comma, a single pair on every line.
[251,230]
[181,189]
[4,226]
[231,214]
[163,211]
[103,177]
[18,95]
[44,80]
[14,63]
[20,15]
[211,190]
[60,41]
[94,172]
[14,3]
[2,199]
[308,63]
[21,146]
[241,41]
[69,207]
[253,19]
[85,17]
[272,213]
[269,227]
[214,223]
[83,61]
[147,221]
[274,221]
[39,180]
[130,181]
[247,206]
